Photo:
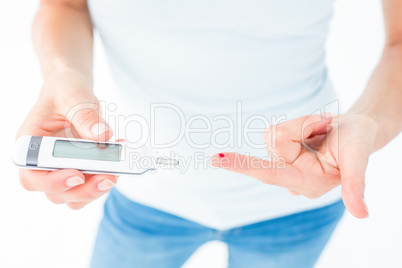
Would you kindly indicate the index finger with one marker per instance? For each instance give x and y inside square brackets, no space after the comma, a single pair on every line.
[269,172]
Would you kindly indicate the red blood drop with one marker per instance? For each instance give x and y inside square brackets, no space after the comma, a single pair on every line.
[221,155]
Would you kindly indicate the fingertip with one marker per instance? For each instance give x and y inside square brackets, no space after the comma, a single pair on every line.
[105,185]
[220,160]
[365,207]
[355,203]
[101,131]
[99,128]
[101,177]
[69,177]
[111,178]
[325,119]
[75,205]
[325,129]
[74,181]
[317,125]
[327,116]
[360,213]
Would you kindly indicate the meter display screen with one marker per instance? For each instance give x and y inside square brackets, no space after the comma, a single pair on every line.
[87,150]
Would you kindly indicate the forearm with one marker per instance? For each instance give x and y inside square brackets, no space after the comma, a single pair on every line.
[382,98]
[62,35]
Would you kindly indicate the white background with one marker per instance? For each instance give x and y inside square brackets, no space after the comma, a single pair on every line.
[36,233]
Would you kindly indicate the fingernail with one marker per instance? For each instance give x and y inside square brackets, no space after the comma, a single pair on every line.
[99,129]
[327,115]
[105,185]
[365,206]
[74,181]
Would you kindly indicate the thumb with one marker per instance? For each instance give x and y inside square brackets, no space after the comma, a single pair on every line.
[352,164]
[87,121]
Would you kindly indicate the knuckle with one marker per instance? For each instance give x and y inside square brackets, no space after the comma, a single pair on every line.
[266,134]
[309,119]
[86,116]
[351,184]
[280,134]
[268,141]
[314,190]
[272,128]
[269,178]
[53,186]
[276,137]
[280,138]
[86,195]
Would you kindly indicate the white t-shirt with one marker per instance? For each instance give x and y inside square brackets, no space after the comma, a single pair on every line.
[194,78]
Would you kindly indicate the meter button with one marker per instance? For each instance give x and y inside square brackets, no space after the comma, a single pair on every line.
[33,146]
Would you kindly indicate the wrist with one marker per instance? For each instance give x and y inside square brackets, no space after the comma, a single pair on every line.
[57,66]
[367,112]
[59,73]
[381,125]
[65,84]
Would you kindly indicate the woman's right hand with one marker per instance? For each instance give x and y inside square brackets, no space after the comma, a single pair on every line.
[67,107]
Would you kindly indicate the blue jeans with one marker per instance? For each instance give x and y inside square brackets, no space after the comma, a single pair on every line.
[134,235]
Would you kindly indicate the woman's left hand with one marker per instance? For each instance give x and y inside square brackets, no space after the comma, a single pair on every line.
[311,155]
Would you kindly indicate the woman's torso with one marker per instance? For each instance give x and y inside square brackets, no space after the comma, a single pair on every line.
[208,59]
